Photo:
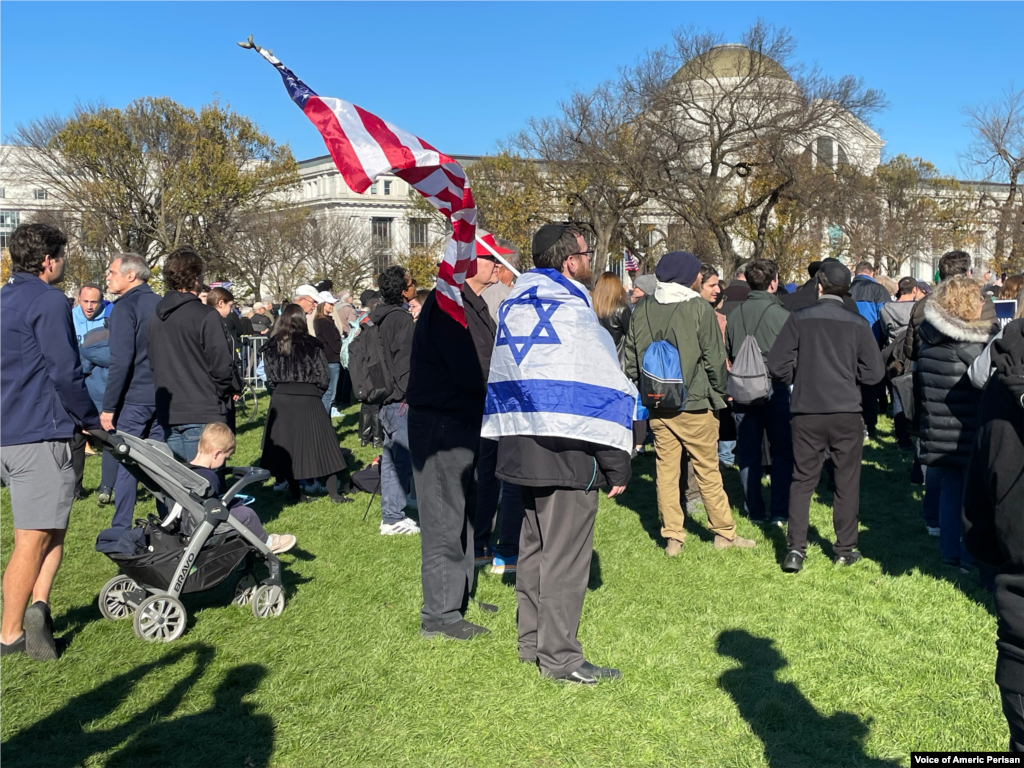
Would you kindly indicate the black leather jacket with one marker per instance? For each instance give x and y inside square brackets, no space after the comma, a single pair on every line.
[617,324]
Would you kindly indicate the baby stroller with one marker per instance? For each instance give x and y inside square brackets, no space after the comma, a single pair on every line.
[195,547]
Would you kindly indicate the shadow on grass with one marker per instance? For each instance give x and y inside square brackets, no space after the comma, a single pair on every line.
[793,731]
[893,533]
[235,734]
[228,733]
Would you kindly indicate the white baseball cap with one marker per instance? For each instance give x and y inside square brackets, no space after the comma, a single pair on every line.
[308,291]
[326,297]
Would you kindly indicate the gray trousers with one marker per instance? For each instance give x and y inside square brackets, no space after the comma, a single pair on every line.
[555,548]
[444,453]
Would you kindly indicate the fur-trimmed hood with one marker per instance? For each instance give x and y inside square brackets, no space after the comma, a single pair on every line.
[940,324]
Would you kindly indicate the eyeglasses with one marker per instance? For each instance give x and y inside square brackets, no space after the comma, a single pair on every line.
[588,254]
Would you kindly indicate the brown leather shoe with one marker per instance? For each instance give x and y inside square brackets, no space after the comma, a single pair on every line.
[738,541]
[673,548]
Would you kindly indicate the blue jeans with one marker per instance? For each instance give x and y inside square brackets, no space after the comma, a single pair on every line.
[328,398]
[727,452]
[183,440]
[140,421]
[943,500]
[395,462]
[752,422]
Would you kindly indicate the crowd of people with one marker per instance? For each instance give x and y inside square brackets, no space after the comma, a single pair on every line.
[773,380]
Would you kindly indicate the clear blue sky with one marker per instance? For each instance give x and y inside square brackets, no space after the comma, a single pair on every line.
[466,75]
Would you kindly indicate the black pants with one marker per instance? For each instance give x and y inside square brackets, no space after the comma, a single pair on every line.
[555,549]
[870,398]
[491,495]
[444,454]
[843,435]
[1013,708]
[108,468]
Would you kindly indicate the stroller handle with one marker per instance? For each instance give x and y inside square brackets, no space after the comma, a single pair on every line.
[111,441]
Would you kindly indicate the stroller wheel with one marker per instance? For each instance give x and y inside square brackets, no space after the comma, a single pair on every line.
[160,619]
[113,604]
[244,588]
[268,601]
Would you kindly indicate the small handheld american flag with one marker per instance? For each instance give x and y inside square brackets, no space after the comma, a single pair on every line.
[631,262]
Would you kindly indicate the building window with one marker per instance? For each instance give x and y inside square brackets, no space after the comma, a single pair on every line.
[387,187]
[39,194]
[824,150]
[373,188]
[417,233]
[8,223]
[3,193]
[380,243]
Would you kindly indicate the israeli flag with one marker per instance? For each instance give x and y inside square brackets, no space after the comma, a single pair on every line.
[555,371]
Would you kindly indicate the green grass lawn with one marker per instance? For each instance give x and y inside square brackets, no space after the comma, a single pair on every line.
[726,661]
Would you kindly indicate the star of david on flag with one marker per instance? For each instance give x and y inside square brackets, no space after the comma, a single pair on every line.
[542,333]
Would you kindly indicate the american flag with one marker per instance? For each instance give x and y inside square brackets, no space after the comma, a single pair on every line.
[630,261]
[364,147]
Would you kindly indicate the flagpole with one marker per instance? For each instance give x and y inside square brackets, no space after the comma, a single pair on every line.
[498,256]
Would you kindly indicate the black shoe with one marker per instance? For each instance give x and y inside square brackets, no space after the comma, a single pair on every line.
[18,646]
[588,674]
[850,559]
[457,630]
[105,495]
[341,498]
[39,643]
[794,562]
[486,607]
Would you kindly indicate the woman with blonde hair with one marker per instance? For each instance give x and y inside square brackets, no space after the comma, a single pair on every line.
[953,335]
[611,303]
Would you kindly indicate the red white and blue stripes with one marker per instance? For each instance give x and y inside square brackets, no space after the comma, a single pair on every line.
[364,147]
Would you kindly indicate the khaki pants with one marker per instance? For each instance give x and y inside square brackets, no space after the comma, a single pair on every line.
[694,433]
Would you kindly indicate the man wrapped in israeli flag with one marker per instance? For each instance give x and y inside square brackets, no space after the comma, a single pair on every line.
[562,411]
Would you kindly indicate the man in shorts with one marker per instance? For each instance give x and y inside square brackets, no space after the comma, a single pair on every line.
[43,401]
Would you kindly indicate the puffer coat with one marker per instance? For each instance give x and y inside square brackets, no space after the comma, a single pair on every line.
[946,399]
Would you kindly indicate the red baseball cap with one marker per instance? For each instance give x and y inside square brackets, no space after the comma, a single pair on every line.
[488,238]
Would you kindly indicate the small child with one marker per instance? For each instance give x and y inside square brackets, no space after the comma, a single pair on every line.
[216,445]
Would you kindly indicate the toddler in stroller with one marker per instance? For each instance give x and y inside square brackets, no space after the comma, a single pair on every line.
[197,546]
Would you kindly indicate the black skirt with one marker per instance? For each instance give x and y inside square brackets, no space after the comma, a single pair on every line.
[299,441]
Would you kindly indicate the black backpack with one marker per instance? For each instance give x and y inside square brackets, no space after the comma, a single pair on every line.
[372,382]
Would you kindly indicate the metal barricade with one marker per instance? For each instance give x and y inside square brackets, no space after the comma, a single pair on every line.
[252,361]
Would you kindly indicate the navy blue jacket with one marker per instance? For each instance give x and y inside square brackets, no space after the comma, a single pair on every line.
[42,389]
[870,297]
[130,379]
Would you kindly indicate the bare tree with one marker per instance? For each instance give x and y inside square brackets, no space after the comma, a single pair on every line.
[266,252]
[338,248]
[997,153]
[594,162]
[716,113]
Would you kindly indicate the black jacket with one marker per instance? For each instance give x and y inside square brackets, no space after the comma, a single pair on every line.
[993,512]
[827,353]
[807,294]
[560,462]
[946,400]
[191,360]
[306,364]
[617,324]
[396,329]
[450,363]
[328,333]
[129,378]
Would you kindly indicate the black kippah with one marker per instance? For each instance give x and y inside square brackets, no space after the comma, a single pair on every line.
[546,237]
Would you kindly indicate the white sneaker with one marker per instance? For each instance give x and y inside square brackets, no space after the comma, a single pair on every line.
[336,414]
[932,531]
[280,542]
[403,526]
